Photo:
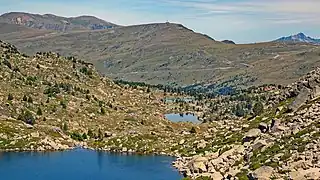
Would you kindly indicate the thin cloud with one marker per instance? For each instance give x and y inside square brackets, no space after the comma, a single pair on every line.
[299,11]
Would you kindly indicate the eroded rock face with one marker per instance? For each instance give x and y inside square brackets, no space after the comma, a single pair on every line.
[303,97]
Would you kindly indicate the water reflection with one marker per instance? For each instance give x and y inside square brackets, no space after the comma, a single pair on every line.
[180,117]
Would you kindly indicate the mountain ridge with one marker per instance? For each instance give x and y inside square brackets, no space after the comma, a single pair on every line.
[168,53]
[54,22]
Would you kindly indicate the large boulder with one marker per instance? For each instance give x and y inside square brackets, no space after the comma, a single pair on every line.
[300,174]
[252,134]
[315,92]
[262,173]
[297,175]
[276,126]
[198,164]
[35,134]
[303,96]
[216,176]
[259,144]
[312,173]
[181,142]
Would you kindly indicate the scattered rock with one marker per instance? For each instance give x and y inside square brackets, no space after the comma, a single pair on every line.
[202,144]
[35,134]
[252,134]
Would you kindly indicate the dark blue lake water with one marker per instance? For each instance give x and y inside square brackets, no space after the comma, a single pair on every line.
[85,165]
[184,118]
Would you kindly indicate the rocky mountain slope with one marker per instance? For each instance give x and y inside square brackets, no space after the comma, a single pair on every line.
[300,37]
[282,142]
[45,107]
[170,54]
[56,23]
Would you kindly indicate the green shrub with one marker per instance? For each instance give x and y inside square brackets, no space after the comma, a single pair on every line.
[63,104]
[76,136]
[258,109]
[286,156]
[39,112]
[65,127]
[84,136]
[27,117]
[255,165]
[100,135]
[52,91]
[203,178]
[25,98]
[31,78]
[90,133]
[10,97]
[30,100]
[103,111]
[301,149]
[7,63]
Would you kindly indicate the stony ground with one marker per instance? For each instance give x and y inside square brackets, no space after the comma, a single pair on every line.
[282,143]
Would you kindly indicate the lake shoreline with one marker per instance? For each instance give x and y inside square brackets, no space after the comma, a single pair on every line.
[88,148]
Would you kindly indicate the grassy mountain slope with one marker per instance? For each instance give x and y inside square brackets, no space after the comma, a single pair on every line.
[170,53]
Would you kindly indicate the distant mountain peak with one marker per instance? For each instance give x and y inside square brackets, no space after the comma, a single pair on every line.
[300,37]
[301,34]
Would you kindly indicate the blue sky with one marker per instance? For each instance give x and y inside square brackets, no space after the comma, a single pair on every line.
[243,21]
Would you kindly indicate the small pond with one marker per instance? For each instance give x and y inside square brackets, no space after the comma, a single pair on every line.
[176,117]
